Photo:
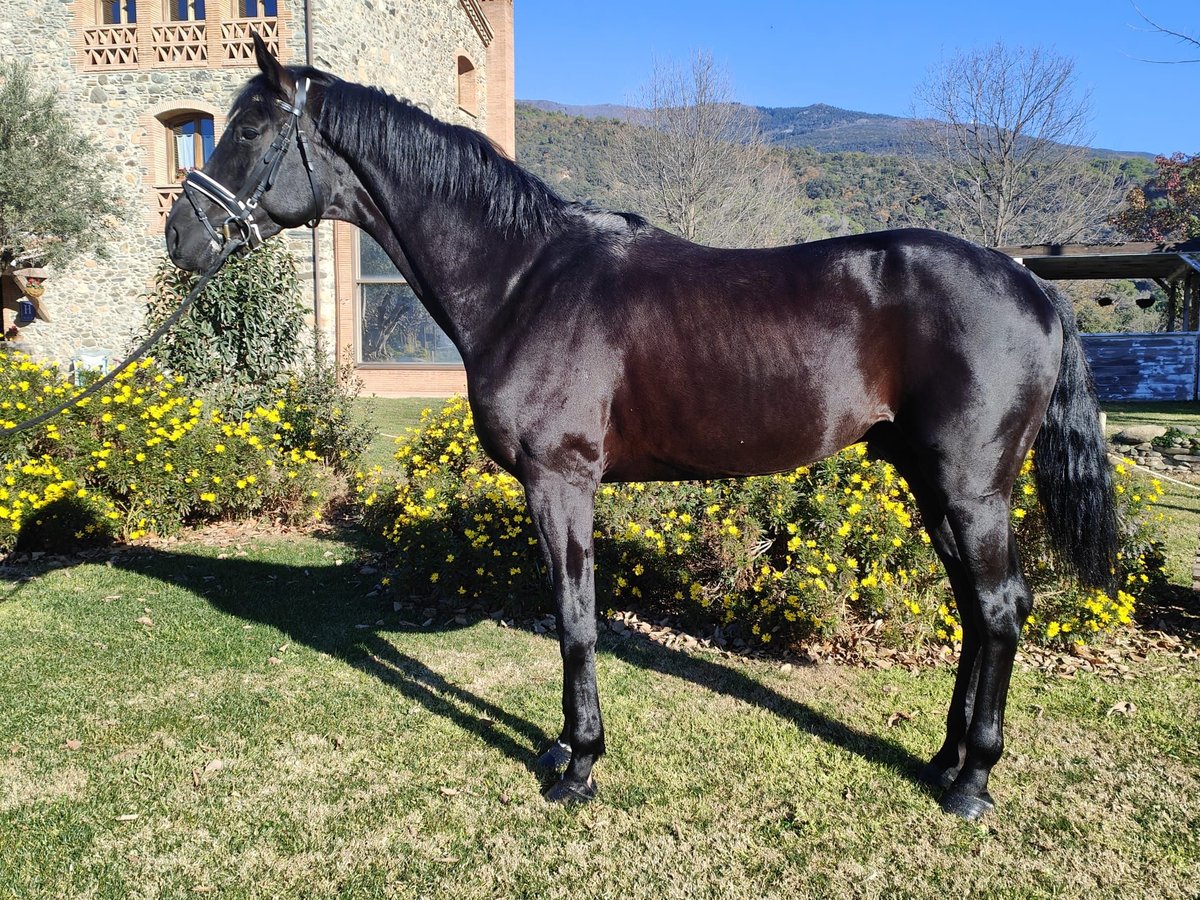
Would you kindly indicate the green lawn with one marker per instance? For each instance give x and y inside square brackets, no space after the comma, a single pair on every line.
[257,726]
[256,719]
[392,418]
[1122,415]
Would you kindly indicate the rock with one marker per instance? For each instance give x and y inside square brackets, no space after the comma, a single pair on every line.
[1187,429]
[1139,434]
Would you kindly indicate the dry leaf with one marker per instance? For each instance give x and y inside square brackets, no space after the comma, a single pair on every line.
[145,620]
[128,817]
[274,660]
[1122,708]
[73,744]
[215,765]
[449,792]
[897,717]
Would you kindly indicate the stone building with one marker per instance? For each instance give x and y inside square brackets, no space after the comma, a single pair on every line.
[150,81]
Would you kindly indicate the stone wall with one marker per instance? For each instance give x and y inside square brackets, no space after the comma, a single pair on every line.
[409,47]
[1174,451]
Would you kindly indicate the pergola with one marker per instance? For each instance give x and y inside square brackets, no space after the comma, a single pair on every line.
[1175,267]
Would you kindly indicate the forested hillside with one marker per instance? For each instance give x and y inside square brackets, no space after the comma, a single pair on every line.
[842,192]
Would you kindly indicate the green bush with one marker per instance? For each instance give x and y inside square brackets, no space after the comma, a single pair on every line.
[321,397]
[242,335]
[779,558]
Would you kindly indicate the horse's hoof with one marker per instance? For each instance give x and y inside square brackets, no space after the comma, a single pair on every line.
[971,807]
[569,791]
[554,758]
[935,776]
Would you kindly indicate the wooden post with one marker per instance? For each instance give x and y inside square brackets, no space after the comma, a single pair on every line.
[1187,304]
[1171,302]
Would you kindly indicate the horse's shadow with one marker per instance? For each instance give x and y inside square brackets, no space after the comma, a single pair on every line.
[327,609]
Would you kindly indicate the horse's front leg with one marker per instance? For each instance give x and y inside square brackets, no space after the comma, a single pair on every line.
[562,507]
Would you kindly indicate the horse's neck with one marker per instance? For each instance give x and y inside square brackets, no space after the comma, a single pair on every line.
[459,266]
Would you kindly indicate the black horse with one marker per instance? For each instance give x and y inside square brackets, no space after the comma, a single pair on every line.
[598,348]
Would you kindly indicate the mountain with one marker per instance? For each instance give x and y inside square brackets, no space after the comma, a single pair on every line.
[820,126]
[828,129]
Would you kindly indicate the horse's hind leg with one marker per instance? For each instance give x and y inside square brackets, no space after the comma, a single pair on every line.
[887,442]
[988,551]
[965,501]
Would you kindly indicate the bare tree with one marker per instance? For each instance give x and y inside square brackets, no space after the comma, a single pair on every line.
[1001,144]
[696,163]
[1187,39]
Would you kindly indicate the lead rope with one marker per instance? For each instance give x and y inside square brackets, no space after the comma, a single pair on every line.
[227,250]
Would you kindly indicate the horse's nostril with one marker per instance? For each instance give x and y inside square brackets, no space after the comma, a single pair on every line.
[172,240]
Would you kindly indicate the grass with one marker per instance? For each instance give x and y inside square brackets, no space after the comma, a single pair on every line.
[1123,415]
[392,418]
[374,757]
[254,720]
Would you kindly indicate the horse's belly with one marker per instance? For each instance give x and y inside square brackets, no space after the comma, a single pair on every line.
[730,445]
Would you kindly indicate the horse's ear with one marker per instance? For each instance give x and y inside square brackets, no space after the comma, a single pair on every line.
[270,66]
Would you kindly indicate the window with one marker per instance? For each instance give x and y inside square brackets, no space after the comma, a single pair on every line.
[118,12]
[468,85]
[185,10]
[253,9]
[190,142]
[393,325]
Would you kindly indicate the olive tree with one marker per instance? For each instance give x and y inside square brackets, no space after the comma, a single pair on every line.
[54,202]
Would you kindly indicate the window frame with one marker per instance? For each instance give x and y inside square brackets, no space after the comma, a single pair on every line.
[357,324]
[172,7]
[235,11]
[172,121]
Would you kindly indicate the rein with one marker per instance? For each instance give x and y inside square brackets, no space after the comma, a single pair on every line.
[239,232]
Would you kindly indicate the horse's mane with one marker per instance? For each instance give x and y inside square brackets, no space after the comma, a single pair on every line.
[453,161]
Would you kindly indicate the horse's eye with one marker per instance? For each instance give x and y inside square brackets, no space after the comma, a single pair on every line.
[249,134]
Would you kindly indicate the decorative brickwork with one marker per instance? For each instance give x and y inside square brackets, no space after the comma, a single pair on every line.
[154,42]
[110,47]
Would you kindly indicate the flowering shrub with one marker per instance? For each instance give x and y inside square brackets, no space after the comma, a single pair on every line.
[142,456]
[778,557]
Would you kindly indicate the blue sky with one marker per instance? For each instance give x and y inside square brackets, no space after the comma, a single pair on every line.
[867,54]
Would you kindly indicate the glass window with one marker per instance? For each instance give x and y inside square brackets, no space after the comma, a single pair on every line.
[394,326]
[118,12]
[190,142]
[253,9]
[185,10]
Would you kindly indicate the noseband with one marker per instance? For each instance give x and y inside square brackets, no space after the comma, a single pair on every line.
[239,224]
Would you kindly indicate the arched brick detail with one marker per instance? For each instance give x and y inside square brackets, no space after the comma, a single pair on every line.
[152,140]
[466,85]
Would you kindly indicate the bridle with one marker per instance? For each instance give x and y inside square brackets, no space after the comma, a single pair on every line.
[239,224]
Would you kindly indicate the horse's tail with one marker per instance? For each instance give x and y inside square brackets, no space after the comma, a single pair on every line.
[1071,468]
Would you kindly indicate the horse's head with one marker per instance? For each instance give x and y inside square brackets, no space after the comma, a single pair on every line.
[264,175]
